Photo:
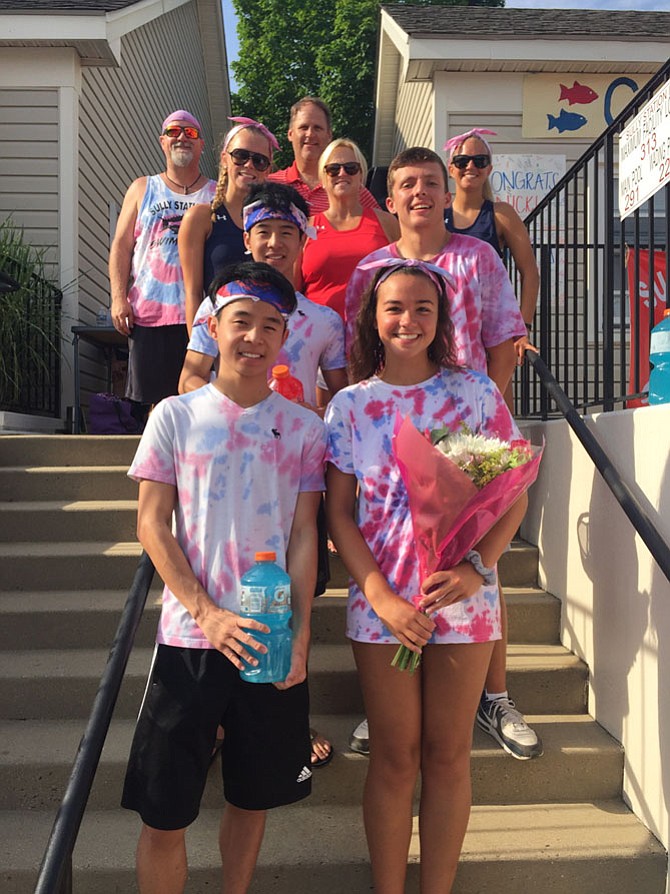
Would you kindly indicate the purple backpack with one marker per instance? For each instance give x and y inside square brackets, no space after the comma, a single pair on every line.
[111,415]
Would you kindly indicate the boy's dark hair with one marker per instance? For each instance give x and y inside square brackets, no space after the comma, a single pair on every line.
[276,197]
[310,101]
[416,155]
[255,272]
[367,352]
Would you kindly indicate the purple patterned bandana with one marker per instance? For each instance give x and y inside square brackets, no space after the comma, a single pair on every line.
[257,211]
[236,289]
[183,117]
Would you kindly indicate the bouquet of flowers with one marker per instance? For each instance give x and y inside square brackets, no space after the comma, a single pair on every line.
[459,484]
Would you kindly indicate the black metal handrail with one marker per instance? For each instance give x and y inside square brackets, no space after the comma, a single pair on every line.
[55,875]
[592,324]
[624,495]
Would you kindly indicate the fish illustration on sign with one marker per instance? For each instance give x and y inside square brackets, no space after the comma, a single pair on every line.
[566,121]
[578,93]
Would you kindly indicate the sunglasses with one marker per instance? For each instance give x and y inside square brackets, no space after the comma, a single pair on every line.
[350,168]
[241,157]
[176,130]
[462,161]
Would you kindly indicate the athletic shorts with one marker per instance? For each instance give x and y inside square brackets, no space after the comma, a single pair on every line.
[155,358]
[266,748]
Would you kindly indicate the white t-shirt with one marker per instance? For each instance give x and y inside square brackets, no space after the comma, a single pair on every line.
[238,472]
[361,420]
[315,340]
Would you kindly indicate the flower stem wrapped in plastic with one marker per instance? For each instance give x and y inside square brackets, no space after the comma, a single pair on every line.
[459,484]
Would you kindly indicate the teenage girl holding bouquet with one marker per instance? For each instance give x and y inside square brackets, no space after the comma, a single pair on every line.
[403,361]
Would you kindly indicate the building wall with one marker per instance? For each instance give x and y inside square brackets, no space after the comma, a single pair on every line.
[414,116]
[464,100]
[158,74]
[29,164]
[616,600]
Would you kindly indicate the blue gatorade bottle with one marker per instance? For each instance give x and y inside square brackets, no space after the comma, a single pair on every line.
[266,597]
[659,356]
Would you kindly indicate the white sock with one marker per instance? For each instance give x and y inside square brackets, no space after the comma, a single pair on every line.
[493,696]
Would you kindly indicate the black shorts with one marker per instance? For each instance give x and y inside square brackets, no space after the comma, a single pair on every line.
[266,749]
[155,358]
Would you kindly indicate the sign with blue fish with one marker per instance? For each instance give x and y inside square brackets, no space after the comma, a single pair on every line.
[557,106]
[566,121]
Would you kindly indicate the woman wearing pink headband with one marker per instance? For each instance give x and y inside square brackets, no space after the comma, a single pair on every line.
[474,212]
[211,236]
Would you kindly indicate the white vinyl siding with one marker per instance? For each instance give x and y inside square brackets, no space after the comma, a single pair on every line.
[29,160]
[414,116]
[121,110]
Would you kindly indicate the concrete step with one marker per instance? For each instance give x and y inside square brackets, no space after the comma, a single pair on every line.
[68,566]
[517,567]
[74,520]
[67,450]
[581,762]
[82,619]
[543,679]
[597,848]
[21,483]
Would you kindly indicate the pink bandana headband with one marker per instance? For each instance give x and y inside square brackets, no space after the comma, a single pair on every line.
[437,275]
[257,211]
[241,123]
[452,144]
[182,116]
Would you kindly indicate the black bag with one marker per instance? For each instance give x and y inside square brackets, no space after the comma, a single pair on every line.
[111,415]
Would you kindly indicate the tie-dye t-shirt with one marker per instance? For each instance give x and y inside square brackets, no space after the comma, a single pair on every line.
[315,340]
[360,422]
[157,291]
[483,308]
[238,472]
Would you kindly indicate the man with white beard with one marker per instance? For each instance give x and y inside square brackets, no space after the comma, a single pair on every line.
[147,287]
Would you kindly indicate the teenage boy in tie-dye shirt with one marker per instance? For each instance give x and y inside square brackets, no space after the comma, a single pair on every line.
[487,321]
[241,468]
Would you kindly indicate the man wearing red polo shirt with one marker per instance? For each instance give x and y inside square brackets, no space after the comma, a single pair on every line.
[309,133]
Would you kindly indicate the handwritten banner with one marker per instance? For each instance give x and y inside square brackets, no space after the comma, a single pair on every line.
[524,180]
[644,153]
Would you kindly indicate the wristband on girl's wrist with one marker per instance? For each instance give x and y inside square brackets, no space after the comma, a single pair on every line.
[529,327]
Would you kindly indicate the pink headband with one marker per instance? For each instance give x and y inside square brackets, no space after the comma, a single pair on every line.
[451,145]
[436,274]
[249,122]
[183,116]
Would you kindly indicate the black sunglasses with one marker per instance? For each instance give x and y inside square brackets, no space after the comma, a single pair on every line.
[462,161]
[242,156]
[350,168]
[176,130]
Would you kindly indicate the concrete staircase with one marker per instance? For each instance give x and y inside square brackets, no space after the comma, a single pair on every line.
[68,553]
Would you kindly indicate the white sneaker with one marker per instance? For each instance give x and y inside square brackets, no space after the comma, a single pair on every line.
[360,738]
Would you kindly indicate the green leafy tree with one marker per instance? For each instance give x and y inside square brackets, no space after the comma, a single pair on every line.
[327,48]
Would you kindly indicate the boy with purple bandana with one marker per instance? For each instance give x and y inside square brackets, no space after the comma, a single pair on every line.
[241,468]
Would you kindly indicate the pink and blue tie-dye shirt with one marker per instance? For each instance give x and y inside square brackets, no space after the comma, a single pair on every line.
[157,291]
[360,422]
[483,308]
[315,341]
[238,472]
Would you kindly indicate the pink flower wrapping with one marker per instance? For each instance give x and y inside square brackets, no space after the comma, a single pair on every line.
[449,514]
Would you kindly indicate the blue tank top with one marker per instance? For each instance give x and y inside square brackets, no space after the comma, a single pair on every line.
[484,226]
[225,245]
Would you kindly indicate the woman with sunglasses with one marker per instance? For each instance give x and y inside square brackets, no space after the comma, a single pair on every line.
[473,212]
[345,232]
[211,236]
